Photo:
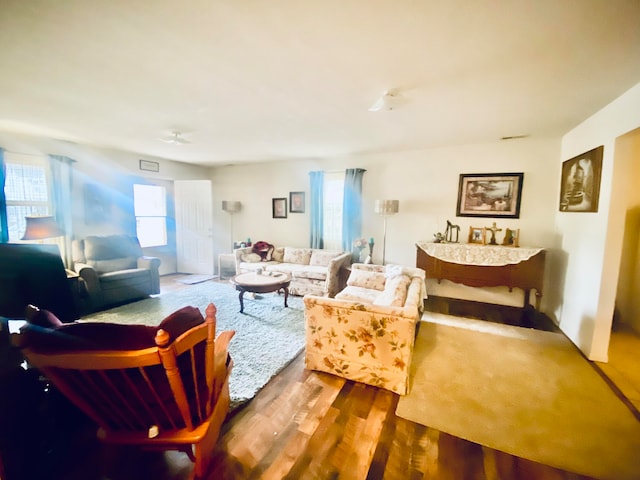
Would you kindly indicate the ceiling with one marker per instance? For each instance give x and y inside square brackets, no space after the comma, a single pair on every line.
[250,80]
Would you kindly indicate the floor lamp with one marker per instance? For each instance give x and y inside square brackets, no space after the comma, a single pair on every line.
[386,208]
[231,207]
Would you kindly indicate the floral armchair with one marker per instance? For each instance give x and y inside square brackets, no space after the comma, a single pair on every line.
[367,332]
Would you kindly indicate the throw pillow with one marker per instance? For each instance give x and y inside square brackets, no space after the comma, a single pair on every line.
[250,257]
[322,258]
[300,256]
[278,255]
[395,292]
[364,279]
[264,249]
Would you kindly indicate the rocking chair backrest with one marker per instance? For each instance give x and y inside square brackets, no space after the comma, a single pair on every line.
[169,386]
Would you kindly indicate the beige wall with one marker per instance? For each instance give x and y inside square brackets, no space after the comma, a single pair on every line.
[426,184]
[592,242]
[626,180]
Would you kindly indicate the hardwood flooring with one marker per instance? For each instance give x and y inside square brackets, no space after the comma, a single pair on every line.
[312,425]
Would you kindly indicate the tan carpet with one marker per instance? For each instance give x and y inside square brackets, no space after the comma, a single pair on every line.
[525,392]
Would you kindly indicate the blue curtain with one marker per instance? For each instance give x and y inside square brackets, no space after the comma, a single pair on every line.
[317,217]
[4,224]
[352,207]
[61,173]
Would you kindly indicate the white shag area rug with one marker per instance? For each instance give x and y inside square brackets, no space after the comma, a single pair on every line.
[268,336]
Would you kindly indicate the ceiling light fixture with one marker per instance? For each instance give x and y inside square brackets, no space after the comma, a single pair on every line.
[175,139]
[388,101]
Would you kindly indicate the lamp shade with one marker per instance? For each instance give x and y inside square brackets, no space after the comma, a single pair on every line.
[39,228]
[231,206]
[387,207]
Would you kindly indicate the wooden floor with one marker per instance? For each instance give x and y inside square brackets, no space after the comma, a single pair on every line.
[312,425]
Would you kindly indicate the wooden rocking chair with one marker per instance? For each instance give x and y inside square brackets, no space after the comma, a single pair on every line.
[171,396]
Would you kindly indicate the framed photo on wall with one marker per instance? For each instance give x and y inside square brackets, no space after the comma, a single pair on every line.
[279,207]
[580,187]
[495,195]
[296,202]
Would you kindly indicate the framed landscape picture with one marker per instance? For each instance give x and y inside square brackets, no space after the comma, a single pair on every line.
[279,207]
[489,195]
[580,187]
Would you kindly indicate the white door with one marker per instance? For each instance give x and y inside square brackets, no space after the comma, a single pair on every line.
[194,226]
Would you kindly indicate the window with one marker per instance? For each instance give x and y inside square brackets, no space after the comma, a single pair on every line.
[27,192]
[150,207]
[332,210]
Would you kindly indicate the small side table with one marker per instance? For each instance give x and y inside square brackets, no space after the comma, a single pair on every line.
[226,265]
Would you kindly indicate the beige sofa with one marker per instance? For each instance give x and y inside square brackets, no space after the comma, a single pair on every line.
[367,332]
[313,271]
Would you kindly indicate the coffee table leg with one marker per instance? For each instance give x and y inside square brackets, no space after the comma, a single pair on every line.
[286,295]
[241,301]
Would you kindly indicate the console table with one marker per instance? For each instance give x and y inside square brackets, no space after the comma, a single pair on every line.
[484,266]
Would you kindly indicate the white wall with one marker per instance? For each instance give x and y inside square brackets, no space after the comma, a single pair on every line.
[626,178]
[112,170]
[425,182]
[592,242]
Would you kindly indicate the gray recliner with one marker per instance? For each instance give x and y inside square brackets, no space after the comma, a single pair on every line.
[114,270]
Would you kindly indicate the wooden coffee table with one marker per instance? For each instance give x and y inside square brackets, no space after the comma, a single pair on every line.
[264,283]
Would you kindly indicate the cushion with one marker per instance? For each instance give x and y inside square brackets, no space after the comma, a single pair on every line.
[358,294]
[395,291]
[250,257]
[111,246]
[42,318]
[322,258]
[300,256]
[108,336]
[278,254]
[113,265]
[364,279]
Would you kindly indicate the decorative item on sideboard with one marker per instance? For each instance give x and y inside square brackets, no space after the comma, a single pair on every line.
[493,229]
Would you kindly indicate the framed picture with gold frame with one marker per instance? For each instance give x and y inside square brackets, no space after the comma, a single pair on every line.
[478,235]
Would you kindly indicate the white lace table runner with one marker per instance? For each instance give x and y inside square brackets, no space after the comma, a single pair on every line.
[471,254]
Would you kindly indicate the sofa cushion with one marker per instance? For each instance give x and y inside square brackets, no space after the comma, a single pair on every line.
[323,257]
[250,257]
[365,279]
[104,266]
[299,271]
[395,291]
[358,294]
[300,256]
[111,246]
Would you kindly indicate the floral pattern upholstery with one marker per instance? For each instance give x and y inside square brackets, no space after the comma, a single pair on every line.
[365,342]
[313,271]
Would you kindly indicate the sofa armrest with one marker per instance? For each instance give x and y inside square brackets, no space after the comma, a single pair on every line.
[409,311]
[91,283]
[238,252]
[335,281]
[153,265]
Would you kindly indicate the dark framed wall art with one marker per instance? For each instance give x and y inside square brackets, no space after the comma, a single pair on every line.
[296,202]
[495,195]
[580,187]
[279,207]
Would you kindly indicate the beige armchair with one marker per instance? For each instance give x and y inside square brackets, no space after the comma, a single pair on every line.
[367,332]
[114,270]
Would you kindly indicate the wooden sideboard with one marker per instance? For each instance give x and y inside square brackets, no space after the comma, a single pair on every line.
[527,274]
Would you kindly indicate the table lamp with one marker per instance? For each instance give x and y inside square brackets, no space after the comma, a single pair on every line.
[39,228]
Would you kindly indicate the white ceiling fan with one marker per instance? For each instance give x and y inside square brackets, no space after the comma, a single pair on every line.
[175,139]
[387,101]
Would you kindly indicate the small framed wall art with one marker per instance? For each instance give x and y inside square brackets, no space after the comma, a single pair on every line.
[149,166]
[296,202]
[580,187]
[495,195]
[279,207]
